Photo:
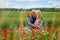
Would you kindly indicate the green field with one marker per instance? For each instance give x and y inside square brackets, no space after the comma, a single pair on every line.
[13,19]
[21,17]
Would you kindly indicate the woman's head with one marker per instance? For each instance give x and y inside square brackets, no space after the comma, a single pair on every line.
[38,13]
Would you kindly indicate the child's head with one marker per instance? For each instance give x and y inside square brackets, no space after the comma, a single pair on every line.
[28,15]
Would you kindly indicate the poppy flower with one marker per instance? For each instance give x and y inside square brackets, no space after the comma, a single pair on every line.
[20,28]
[5,33]
[53,30]
[24,34]
[41,29]
[37,27]
[49,25]
[33,31]
[48,30]
[28,15]
[57,26]
[33,38]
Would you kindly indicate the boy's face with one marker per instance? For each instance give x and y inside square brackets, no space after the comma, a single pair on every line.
[33,14]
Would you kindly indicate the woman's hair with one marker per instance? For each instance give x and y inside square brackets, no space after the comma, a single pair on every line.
[38,13]
[33,10]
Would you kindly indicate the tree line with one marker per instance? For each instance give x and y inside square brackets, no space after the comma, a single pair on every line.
[42,9]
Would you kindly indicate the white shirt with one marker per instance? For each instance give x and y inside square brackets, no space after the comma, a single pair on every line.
[38,22]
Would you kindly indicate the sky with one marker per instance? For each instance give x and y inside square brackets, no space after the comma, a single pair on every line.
[29,4]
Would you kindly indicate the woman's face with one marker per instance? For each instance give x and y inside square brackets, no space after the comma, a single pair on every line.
[33,14]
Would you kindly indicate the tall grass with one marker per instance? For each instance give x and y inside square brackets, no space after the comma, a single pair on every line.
[12,20]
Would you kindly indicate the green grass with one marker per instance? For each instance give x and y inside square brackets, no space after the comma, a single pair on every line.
[20,17]
[13,19]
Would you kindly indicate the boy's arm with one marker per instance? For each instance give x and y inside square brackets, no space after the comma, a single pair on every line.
[30,24]
[29,21]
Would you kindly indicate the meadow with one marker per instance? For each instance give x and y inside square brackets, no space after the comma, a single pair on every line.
[11,20]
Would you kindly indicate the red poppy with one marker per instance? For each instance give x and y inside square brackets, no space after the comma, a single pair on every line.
[33,31]
[49,25]
[5,33]
[24,34]
[37,27]
[28,15]
[5,30]
[20,28]
[33,38]
[41,29]
[53,30]
[48,30]
[57,26]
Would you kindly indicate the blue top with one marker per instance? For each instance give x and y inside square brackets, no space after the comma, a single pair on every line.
[32,20]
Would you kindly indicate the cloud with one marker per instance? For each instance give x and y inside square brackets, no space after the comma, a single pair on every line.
[27,0]
[3,4]
[4,0]
[14,5]
[11,4]
[55,3]
[50,2]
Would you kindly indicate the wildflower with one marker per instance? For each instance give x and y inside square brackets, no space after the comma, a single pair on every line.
[24,32]
[5,30]
[33,31]
[33,38]
[49,25]
[41,30]
[57,26]
[20,28]
[48,30]
[53,30]
[5,33]
[44,33]
[37,27]
[15,31]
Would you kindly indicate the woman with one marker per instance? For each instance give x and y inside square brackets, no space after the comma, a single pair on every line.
[38,22]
